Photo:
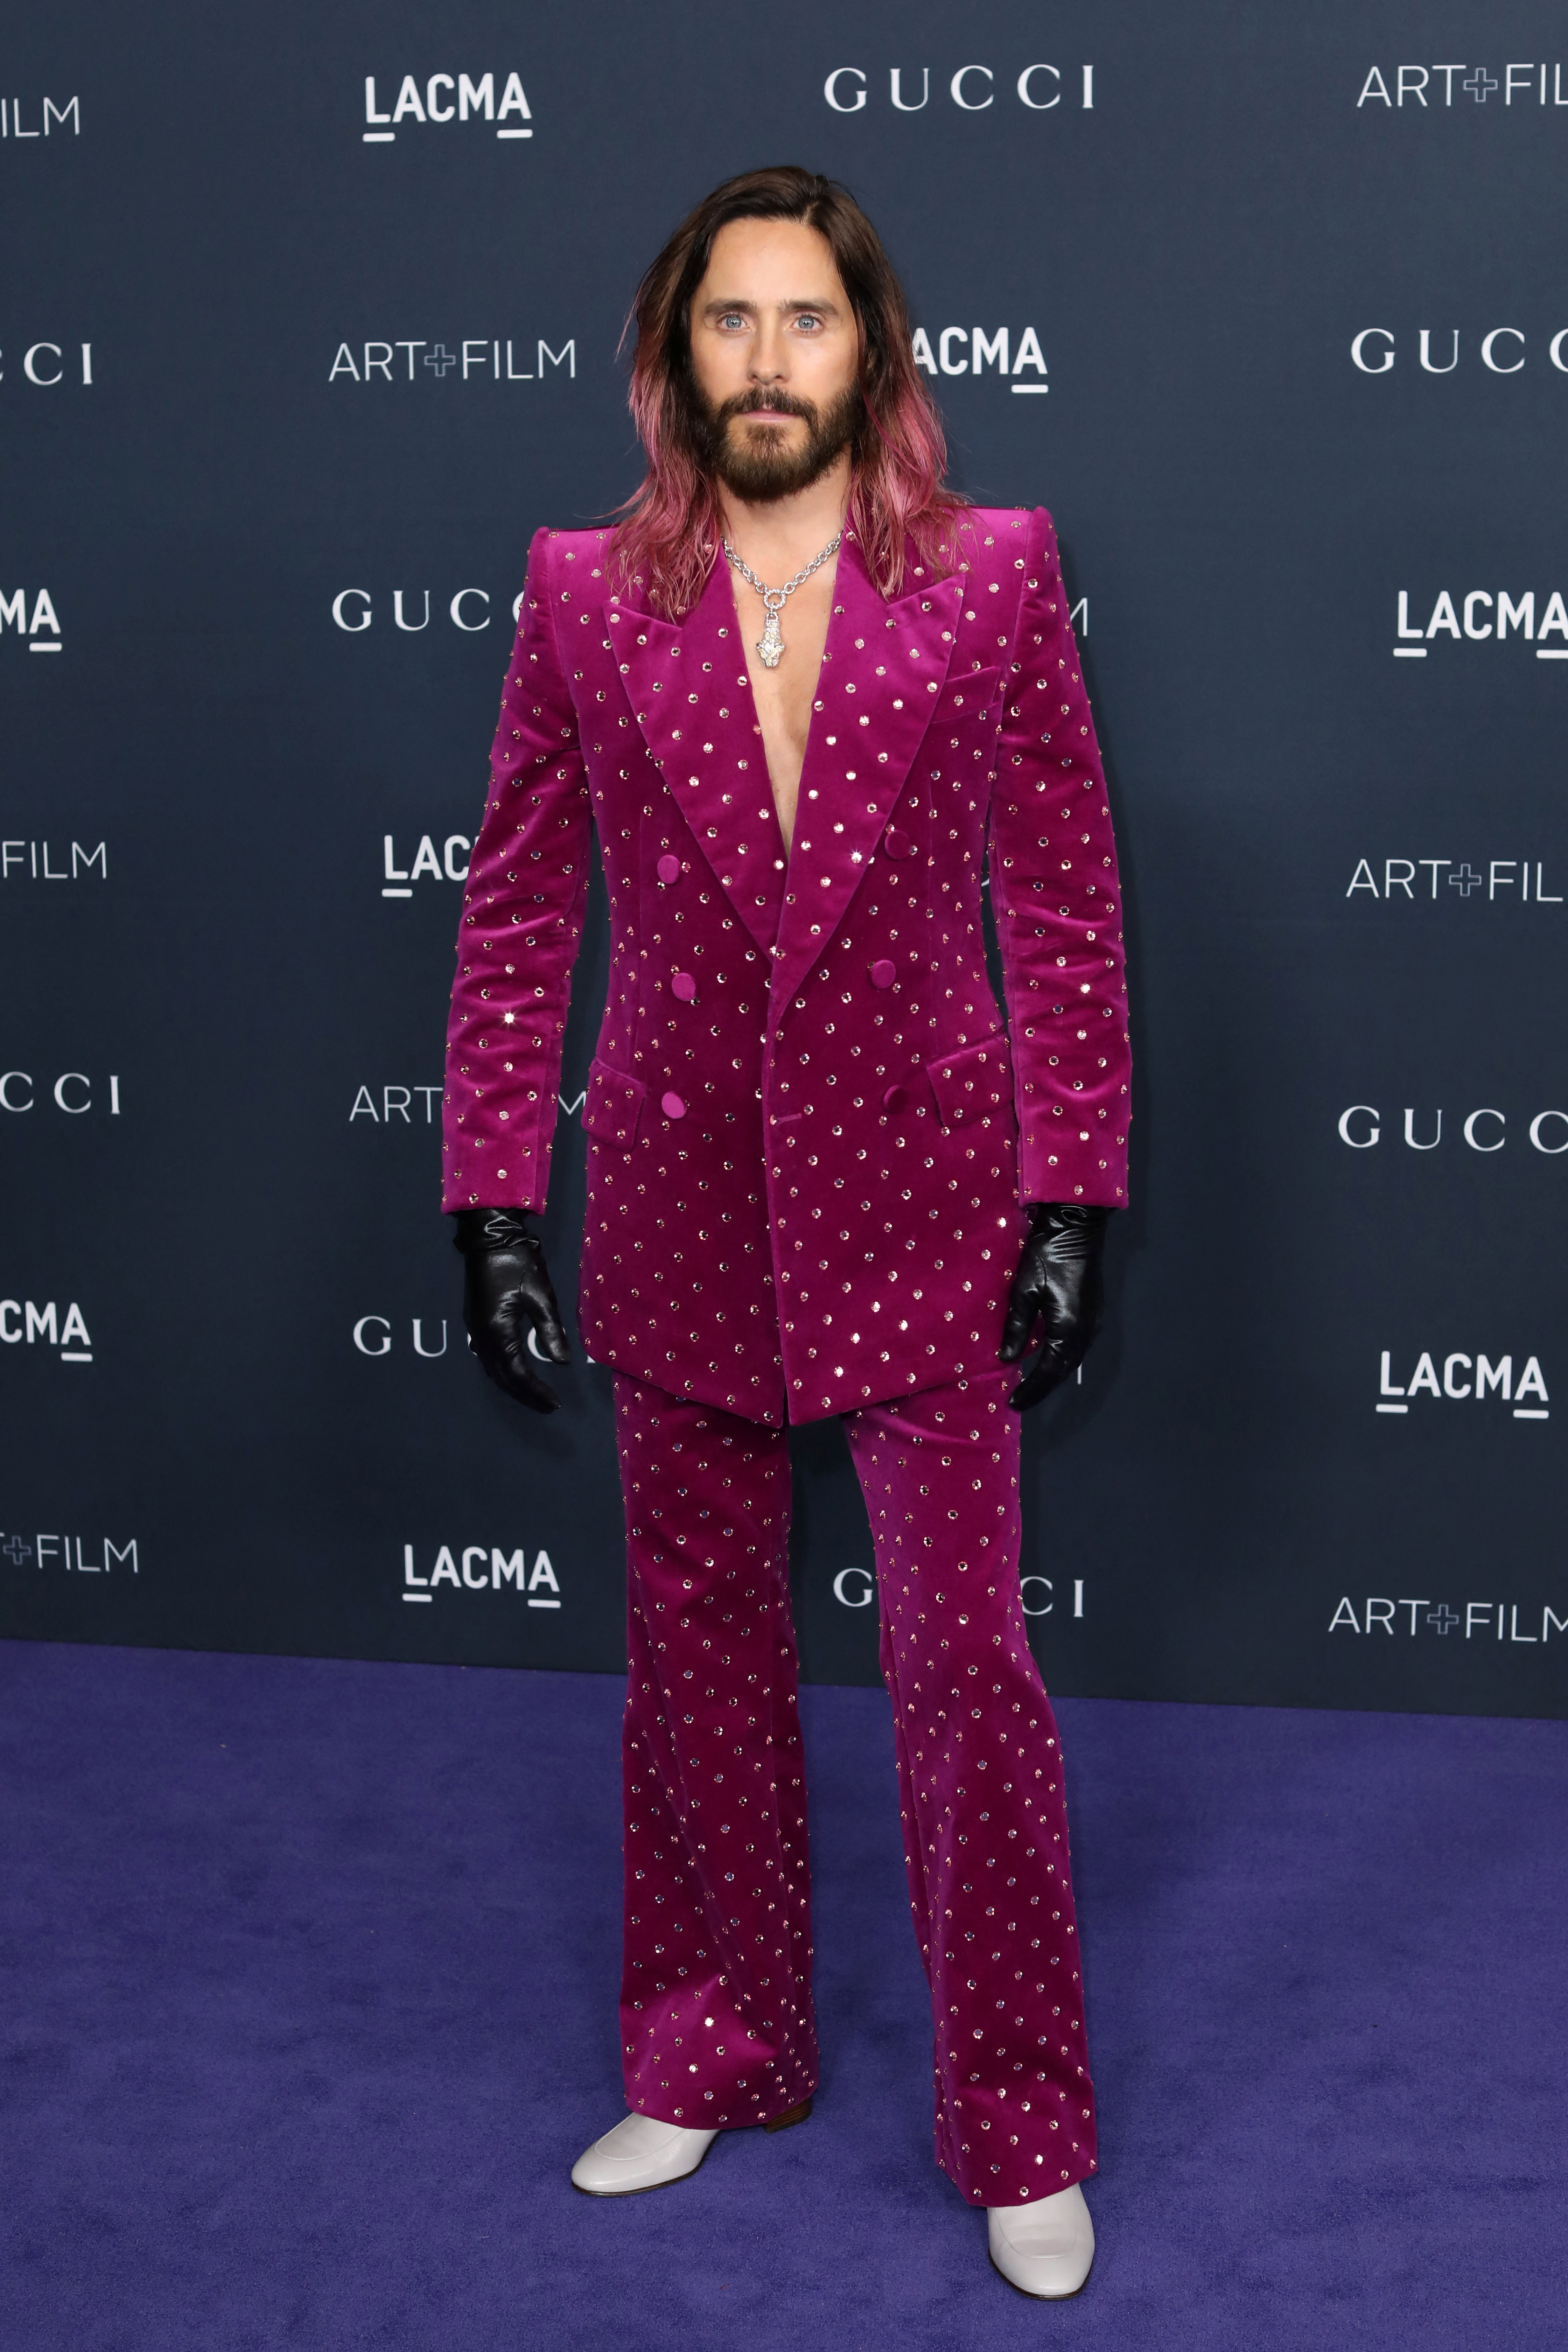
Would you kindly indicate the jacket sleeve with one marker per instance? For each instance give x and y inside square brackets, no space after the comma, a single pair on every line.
[1057,904]
[522,919]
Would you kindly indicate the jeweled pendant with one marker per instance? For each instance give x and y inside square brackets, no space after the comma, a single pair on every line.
[771,643]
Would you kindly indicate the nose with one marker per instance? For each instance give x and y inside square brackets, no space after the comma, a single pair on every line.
[768,355]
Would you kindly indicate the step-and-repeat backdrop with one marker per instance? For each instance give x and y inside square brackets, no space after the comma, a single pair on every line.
[312,317]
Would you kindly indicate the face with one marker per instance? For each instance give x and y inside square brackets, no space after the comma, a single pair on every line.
[775,354]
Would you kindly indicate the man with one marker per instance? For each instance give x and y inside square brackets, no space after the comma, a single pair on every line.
[805,693]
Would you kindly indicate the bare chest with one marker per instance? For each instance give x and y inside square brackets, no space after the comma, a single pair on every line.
[783,695]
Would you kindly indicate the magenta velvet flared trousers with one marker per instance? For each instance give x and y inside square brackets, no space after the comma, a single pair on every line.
[716,2023]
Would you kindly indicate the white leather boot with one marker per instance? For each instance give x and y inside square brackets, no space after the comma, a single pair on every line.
[640,2153]
[1045,2250]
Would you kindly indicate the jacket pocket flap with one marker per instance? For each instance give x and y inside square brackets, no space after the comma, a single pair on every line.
[612,1109]
[971,690]
[973,1083]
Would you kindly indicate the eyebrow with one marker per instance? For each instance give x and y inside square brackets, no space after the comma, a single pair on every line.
[827,310]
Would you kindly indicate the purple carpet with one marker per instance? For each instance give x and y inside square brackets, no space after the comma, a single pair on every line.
[308,2002]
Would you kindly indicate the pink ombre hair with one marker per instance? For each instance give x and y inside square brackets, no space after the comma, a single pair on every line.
[668,536]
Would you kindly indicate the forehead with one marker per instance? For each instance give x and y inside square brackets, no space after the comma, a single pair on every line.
[768,261]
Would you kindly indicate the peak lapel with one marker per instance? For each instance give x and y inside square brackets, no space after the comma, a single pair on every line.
[882,672]
[691,696]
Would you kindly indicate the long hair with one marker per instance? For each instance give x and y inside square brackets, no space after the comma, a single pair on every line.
[669,534]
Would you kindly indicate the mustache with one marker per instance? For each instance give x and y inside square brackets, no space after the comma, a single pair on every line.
[785,404]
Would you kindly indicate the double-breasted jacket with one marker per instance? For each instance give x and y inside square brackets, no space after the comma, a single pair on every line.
[809,1132]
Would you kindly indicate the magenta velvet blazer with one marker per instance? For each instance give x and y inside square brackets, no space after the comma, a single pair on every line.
[809,1134]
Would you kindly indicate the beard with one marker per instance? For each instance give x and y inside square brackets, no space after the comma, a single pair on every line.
[757,464]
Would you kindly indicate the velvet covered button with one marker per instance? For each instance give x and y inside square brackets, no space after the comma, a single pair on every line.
[882,973]
[672,1107]
[894,1099]
[668,870]
[682,985]
[898,844]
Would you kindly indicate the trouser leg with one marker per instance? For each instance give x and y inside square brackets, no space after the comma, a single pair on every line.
[716,2023]
[980,1785]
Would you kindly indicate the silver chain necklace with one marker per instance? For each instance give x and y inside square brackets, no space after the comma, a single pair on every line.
[771,643]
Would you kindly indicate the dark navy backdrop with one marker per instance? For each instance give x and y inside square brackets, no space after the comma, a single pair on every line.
[312,320]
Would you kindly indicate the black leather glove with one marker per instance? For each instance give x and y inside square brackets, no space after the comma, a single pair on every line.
[506,1294]
[1059,1280]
